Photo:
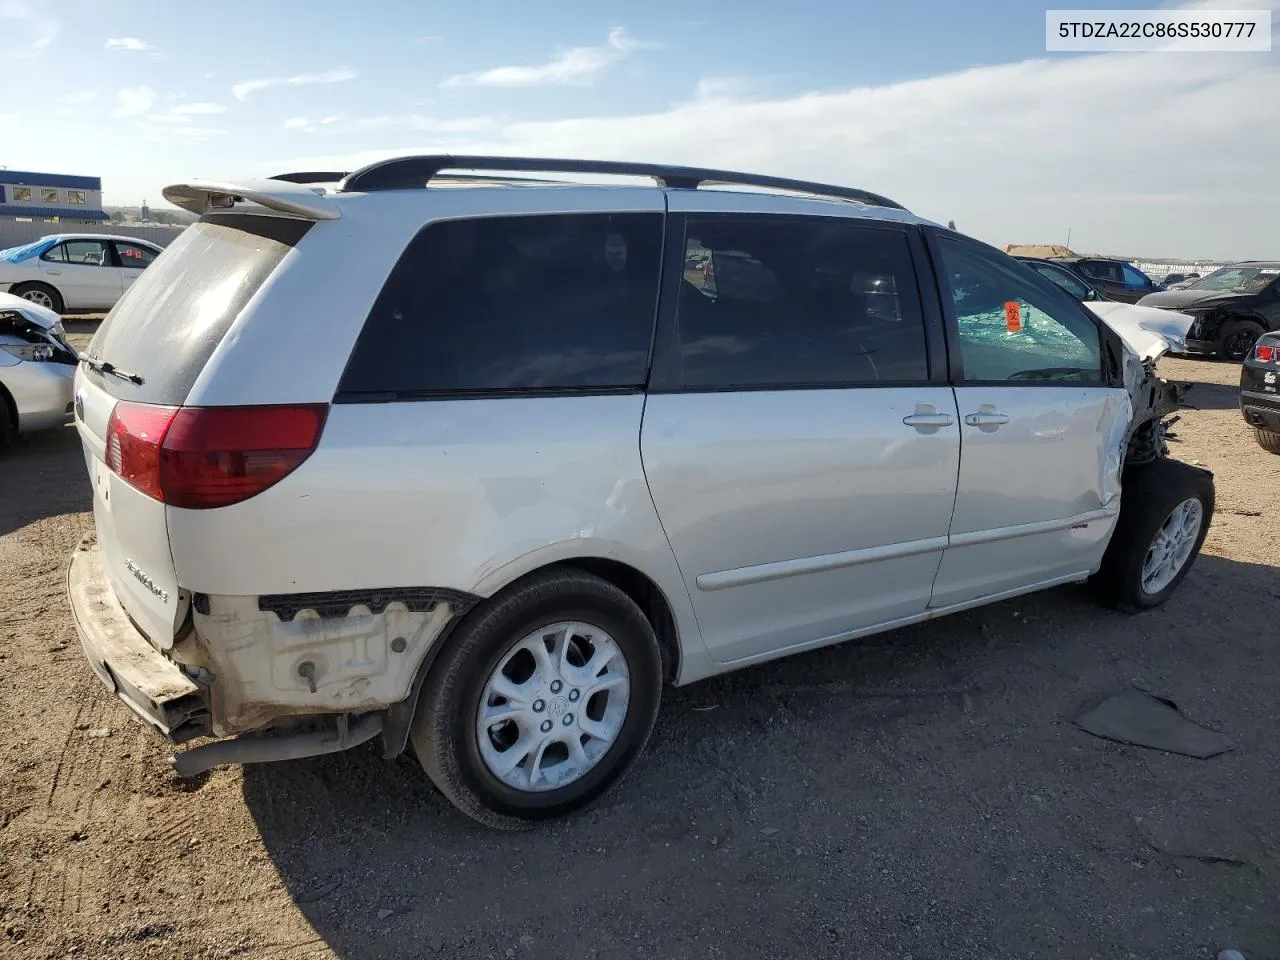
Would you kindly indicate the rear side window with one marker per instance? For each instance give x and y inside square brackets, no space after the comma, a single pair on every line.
[167,324]
[768,302]
[514,304]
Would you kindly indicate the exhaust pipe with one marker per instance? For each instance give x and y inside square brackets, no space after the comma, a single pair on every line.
[265,748]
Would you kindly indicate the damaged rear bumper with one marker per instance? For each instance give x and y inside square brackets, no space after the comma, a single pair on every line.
[151,685]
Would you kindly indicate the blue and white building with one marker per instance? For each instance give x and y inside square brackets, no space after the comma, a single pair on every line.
[50,197]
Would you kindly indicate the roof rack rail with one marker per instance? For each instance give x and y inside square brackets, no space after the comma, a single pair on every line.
[410,173]
[311,177]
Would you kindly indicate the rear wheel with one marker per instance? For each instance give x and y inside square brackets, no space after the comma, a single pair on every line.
[1238,339]
[1268,440]
[40,294]
[1165,511]
[8,424]
[541,700]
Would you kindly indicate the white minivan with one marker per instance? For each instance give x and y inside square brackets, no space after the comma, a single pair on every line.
[479,463]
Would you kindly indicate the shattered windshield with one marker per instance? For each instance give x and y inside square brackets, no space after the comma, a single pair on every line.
[1238,279]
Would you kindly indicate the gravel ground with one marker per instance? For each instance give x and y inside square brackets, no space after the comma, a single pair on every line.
[919,794]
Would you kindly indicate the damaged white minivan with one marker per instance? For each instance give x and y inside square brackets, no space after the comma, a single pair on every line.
[443,455]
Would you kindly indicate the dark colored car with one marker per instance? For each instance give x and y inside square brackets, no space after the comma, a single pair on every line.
[1115,279]
[1233,307]
[1070,281]
[1171,280]
[1260,391]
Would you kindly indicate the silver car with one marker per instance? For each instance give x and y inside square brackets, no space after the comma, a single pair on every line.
[477,468]
[75,271]
[37,369]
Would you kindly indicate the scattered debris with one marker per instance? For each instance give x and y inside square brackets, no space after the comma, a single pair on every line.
[714,706]
[768,831]
[1247,513]
[1144,720]
[384,913]
[100,733]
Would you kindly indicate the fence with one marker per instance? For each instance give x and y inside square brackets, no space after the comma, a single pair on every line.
[16,232]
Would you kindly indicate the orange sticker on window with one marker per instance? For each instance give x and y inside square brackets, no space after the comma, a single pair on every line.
[1012,316]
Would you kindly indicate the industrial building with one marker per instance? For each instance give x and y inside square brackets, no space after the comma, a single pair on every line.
[50,197]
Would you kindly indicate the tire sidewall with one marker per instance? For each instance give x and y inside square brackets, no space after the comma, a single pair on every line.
[634,637]
[1236,327]
[1163,499]
[58,303]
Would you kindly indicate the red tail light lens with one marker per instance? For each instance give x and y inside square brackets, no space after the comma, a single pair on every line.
[202,457]
[1267,353]
[134,434]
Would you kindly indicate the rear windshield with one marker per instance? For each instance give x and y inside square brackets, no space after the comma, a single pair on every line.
[166,326]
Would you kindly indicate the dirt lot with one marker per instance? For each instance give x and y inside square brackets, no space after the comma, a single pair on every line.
[920,794]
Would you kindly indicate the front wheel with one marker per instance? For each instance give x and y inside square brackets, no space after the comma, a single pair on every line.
[1238,339]
[1165,510]
[541,700]
[41,294]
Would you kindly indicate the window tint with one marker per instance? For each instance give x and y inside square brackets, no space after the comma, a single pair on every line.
[1072,285]
[75,196]
[770,302]
[1100,270]
[168,323]
[91,253]
[134,255]
[22,193]
[556,302]
[1133,278]
[49,195]
[1014,328]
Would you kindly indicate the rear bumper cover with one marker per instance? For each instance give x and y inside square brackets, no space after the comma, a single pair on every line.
[149,683]
[1260,410]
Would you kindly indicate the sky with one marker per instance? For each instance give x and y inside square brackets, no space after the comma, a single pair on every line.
[951,107]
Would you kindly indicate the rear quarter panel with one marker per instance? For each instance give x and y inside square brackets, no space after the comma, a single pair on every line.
[466,494]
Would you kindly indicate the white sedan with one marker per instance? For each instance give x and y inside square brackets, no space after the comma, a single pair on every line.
[75,271]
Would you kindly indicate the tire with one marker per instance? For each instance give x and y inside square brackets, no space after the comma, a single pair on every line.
[40,293]
[1268,440]
[8,422]
[1152,495]
[496,637]
[1238,338]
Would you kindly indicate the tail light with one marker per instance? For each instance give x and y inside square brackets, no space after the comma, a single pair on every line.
[1267,352]
[202,457]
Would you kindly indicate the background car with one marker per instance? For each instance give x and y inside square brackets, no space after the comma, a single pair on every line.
[1176,281]
[1115,278]
[1260,391]
[1141,322]
[37,369]
[75,271]
[1232,307]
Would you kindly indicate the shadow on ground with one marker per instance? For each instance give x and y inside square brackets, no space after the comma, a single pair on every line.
[918,793]
[51,461]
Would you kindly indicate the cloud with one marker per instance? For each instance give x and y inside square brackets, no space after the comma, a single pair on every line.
[242,91]
[189,109]
[131,44]
[79,96]
[29,34]
[310,126]
[577,66]
[134,101]
[1014,153]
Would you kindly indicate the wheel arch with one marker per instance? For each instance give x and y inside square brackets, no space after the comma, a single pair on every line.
[11,406]
[668,610]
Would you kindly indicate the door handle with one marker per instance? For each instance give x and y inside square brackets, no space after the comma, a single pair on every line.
[985,418]
[929,420]
[54,273]
[927,416]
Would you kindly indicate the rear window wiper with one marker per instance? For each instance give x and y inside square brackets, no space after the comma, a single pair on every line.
[111,370]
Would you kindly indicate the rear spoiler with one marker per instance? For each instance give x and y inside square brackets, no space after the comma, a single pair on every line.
[295,199]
